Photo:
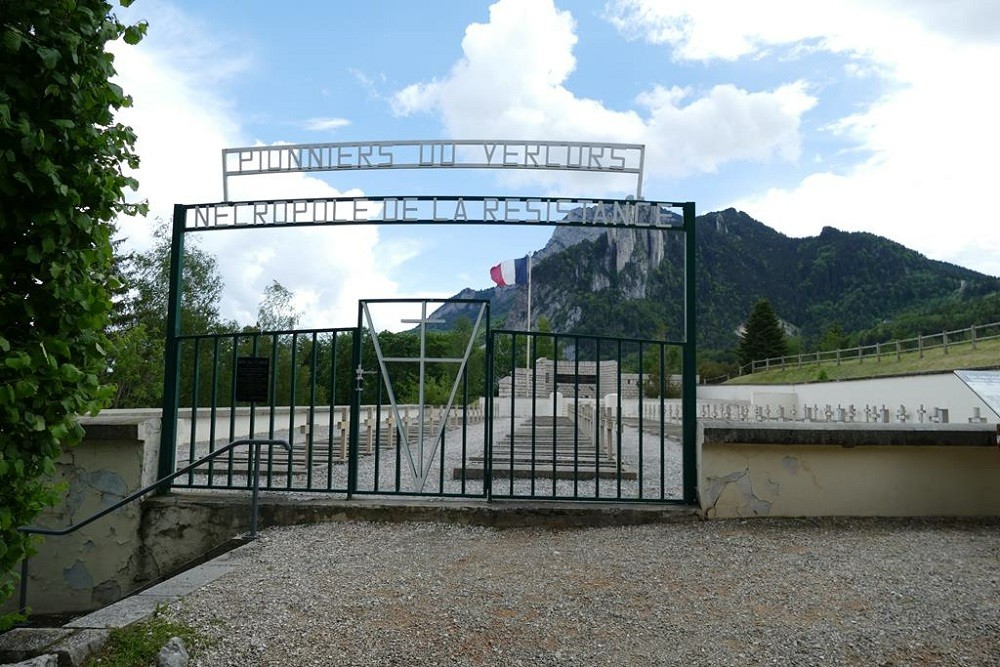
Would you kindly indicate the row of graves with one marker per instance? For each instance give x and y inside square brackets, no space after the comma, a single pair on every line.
[582,445]
[324,439]
[582,441]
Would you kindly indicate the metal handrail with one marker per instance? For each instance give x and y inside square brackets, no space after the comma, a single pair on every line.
[254,443]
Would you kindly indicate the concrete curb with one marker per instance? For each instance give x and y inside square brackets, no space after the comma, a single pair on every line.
[280,509]
[78,640]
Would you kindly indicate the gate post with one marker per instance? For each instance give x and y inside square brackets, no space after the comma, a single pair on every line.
[171,362]
[352,444]
[488,414]
[688,378]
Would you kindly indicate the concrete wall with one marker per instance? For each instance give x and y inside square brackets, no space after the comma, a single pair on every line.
[746,469]
[95,565]
[936,390]
[203,420]
[848,470]
[132,546]
[239,419]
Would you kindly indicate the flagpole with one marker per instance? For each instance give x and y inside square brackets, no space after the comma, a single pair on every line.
[527,348]
[529,290]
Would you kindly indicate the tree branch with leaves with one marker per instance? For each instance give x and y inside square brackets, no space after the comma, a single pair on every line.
[63,162]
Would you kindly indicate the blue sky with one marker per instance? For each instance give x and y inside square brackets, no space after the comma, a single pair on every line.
[861,115]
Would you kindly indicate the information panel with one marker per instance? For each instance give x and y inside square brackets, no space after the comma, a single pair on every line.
[985,385]
[253,379]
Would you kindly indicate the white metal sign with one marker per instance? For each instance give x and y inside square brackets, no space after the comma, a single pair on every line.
[414,154]
[434,210]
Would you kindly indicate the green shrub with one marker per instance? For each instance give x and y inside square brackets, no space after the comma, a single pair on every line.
[61,187]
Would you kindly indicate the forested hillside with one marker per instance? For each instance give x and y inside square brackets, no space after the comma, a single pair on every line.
[630,283]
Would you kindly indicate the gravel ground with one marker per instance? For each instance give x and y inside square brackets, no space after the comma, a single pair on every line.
[803,592]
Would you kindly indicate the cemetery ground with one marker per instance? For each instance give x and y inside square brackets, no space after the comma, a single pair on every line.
[762,591]
[456,465]
[934,360]
[793,591]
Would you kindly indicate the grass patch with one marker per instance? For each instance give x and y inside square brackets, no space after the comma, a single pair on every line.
[934,360]
[138,644]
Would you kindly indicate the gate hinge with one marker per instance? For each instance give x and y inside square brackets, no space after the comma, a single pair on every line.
[359,374]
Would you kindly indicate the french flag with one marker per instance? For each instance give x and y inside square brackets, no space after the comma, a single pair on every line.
[511,272]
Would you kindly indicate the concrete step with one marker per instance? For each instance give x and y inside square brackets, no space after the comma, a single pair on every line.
[521,471]
[528,452]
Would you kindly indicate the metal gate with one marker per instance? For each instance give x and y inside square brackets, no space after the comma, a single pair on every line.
[308,386]
[458,411]
[365,413]
[359,422]
[588,418]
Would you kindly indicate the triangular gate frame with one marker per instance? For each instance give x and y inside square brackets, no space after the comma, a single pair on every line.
[365,320]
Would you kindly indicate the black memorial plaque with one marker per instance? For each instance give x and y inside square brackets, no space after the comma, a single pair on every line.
[253,378]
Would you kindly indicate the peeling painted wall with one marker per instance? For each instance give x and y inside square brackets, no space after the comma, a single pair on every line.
[93,566]
[885,478]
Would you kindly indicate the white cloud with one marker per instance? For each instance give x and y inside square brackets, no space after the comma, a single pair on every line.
[511,82]
[181,127]
[726,124]
[322,124]
[183,122]
[706,30]
[926,148]
[371,84]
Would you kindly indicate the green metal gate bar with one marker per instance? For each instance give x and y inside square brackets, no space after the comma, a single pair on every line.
[689,378]
[308,372]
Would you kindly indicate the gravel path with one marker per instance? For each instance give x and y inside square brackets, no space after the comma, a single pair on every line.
[803,592]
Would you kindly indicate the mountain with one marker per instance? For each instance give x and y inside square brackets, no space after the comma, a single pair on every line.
[629,282]
[502,302]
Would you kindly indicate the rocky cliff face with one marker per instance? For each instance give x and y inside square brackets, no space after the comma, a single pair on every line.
[640,249]
[566,237]
[631,281]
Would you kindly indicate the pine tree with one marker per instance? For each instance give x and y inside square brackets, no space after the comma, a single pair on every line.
[763,337]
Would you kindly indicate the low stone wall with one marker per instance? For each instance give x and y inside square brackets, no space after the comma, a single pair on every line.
[97,564]
[746,469]
[911,399]
[848,470]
